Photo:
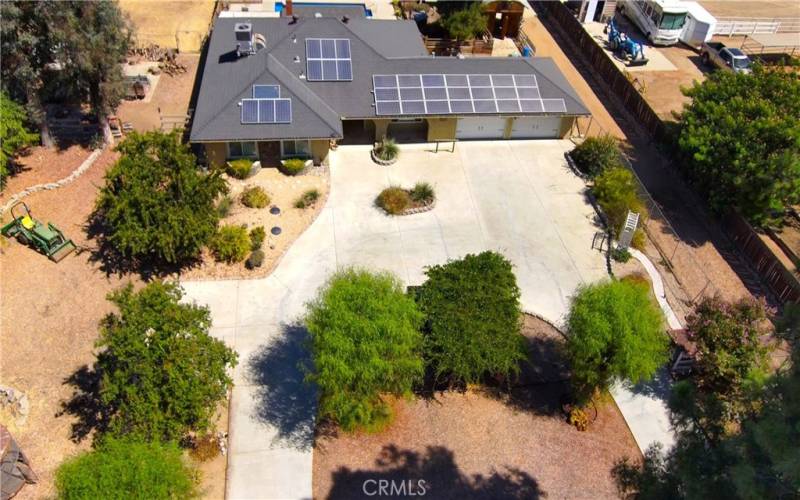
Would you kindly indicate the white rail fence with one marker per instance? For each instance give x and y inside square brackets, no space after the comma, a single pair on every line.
[733,26]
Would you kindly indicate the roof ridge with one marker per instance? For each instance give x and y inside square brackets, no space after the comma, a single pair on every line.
[287,78]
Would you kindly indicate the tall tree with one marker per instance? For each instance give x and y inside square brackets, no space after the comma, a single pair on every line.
[741,141]
[14,136]
[155,203]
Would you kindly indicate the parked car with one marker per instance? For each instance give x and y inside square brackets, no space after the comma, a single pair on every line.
[727,58]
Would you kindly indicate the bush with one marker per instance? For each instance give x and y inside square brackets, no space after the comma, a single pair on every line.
[579,419]
[422,192]
[466,23]
[127,469]
[224,206]
[394,200]
[240,168]
[472,318]
[254,197]
[255,260]
[621,255]
[365,343]
[230,244]
[387,149]
[615,331]
[595,155]
[257,236]
[307,199]
[615,190]
[14,134]
[158,342]
[205,448]
[292,166]
[155,203]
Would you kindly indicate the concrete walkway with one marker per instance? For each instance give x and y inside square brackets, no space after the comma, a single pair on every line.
[645,406]
[516,197]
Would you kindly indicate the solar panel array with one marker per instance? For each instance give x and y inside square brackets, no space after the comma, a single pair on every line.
[439,94]
[266,91]
[266,110]
[328,59]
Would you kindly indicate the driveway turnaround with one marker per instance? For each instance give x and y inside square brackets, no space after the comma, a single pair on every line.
[515,197]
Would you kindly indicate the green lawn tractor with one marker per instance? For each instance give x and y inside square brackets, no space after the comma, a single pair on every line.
[47,239]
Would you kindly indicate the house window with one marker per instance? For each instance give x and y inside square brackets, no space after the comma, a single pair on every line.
[242,150]
[301,149]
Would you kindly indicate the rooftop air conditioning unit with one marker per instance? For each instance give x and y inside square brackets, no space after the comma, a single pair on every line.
[244,39]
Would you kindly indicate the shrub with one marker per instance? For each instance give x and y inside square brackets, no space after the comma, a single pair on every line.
[422,192]
[230,244]
[621,255]
[159,342]
[255,260]
[393,200]
[127,469]
[579,419]
[472,318]
[615,190]
[240,168]
[615,331]
[387,149]
[155,202]
[205,448]
[224,206]
[307,199]
[365,344]
[595,155]
[257,236]
[254,197]
[466,23]
[292,166]
[14,134]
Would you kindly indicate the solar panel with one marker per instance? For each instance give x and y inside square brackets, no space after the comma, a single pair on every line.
[437,94]
[268,110]
[328,60]
[266,91]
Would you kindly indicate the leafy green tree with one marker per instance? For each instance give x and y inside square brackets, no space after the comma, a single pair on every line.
[741,140]
[472,318]
[14,136]
[731,366]
[127,469]
[758,458]
[616,331]
[161,373]
[156,204]
[365,341]
[466,23]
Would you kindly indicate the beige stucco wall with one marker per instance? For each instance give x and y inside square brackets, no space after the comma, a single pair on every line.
[566,126]
[216,152]
[381,127]
[442,128]
[319,150]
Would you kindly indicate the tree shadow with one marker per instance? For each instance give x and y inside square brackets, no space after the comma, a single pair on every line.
[659,387]
[403,473]
[284,399]
[85,404]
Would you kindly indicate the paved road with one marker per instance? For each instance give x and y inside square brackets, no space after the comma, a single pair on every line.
[516,197]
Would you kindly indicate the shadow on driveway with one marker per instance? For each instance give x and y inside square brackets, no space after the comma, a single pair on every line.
[283,399]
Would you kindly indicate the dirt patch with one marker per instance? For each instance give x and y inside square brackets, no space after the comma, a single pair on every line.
[180,25]
[478,445]
[752,9]
[283,191]
[212,472]
[170,98]
[42,165]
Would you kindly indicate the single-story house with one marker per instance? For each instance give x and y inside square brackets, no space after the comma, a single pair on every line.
[277,87]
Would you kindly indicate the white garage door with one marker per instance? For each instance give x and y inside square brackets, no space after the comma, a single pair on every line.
[481,127]
[542,127]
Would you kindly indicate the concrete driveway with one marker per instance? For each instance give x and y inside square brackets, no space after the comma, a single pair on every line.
[516,197]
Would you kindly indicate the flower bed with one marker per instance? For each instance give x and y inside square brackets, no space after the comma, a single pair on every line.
[398,201]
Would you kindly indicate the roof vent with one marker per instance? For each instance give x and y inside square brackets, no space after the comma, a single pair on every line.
[345,19]
[297,59]
[317,14]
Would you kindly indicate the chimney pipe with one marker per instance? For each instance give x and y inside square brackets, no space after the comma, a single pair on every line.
[288,8]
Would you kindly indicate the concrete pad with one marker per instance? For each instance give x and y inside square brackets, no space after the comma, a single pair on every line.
[656,60]
[218,296]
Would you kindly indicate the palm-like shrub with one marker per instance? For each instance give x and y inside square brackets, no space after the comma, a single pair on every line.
[387,149]
[422,192]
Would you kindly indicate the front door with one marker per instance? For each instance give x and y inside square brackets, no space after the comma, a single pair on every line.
[269,152]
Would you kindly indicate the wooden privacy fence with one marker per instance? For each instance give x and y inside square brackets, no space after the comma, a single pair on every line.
[782,281]
[446,46]
[606,70]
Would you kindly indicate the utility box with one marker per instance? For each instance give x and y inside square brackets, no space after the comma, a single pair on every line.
[699,26]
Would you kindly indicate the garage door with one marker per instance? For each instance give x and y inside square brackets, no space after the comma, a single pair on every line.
[541,127]
[480,127]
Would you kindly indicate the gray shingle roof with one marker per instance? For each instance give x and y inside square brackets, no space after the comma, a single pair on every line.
[377,47]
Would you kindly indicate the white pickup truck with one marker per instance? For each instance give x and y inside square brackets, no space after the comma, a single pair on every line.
[727,58]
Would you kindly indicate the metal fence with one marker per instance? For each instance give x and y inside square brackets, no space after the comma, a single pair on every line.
[738,26]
